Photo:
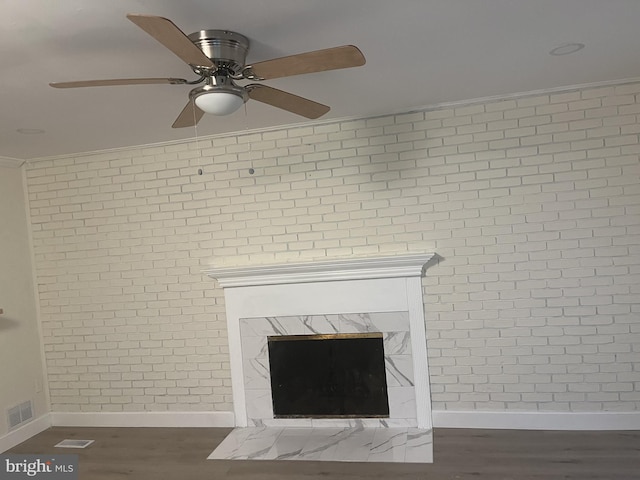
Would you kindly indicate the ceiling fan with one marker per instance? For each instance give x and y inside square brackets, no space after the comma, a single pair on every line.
[218,58]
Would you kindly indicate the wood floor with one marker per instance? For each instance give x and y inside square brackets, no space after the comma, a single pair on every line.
[180,453]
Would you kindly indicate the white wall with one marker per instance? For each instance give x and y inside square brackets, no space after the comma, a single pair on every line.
[532,202]
[21,376]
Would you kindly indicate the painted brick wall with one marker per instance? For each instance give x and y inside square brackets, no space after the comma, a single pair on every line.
[533,203]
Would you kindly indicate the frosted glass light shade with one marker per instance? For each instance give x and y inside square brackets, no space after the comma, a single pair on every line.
[219,103]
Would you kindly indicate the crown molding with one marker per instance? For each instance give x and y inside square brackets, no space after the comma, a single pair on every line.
[11,162]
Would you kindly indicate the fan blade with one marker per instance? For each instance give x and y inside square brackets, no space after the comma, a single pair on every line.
[118,81]
[286,101]
[310,62]
[189,116]
[169,35]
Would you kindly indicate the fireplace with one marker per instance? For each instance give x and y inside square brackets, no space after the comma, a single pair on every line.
[381,296]
[328,376]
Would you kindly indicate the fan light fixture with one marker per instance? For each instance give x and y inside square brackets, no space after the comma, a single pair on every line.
[220,95]
[219,102]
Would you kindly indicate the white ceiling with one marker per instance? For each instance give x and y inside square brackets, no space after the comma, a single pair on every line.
[419,53]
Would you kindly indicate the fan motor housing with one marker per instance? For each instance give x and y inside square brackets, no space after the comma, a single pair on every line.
[226,49]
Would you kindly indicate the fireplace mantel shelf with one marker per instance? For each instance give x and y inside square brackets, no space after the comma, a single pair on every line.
[411,265]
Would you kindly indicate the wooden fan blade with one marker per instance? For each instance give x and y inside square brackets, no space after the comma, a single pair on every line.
[189,116]
[286,101]
[118,81]
[169,35]
[310,62]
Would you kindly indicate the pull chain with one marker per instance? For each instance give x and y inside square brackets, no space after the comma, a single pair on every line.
[246,129]
[195,128]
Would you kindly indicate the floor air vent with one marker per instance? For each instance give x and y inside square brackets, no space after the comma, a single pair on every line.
[72,443]
[20,414]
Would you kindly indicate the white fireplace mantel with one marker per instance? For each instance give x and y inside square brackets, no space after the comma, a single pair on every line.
[254,296]
[352,269]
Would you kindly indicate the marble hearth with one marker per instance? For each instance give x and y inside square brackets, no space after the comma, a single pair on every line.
[382,295]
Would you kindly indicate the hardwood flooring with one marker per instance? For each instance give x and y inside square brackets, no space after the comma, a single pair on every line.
[180,453]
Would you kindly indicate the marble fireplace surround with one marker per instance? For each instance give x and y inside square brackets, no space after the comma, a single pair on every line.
[344,296]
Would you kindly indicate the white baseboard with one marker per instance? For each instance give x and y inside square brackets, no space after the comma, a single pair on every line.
[537,420]
[441,419]
[25,432]
[142,419]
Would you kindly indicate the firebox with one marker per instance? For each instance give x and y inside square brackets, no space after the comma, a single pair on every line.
[328,376]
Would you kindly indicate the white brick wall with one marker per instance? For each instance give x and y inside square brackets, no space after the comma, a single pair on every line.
[533,203]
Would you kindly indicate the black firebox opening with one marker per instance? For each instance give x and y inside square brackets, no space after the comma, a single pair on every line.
[328,376]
